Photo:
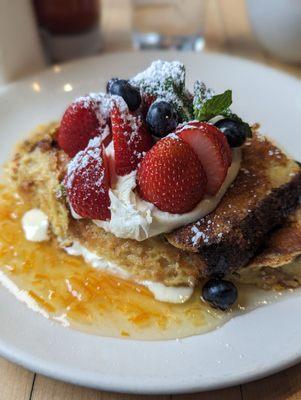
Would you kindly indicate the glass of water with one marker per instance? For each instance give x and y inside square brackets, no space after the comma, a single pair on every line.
[168,24]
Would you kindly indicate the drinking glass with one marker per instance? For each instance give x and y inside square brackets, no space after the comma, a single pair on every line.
[168,24]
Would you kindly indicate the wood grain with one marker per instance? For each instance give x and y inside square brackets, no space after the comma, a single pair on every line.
[226,29]
[15,382]
[233,393]
[48,389]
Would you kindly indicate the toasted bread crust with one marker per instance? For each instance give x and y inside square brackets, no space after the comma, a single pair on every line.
[265,192]
[39,165]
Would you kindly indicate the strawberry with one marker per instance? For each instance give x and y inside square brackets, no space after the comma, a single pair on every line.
[130,137]
[79,124]
[213,150]
[87,182]
[171,176]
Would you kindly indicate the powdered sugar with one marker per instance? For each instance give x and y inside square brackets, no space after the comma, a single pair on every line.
[158,73]
[82,159]
[198,235]
[102,104]
[166,81]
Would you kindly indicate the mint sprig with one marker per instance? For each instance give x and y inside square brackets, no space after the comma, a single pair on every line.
[216,105]
[207,105]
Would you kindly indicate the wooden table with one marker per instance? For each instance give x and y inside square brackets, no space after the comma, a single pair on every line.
[226,30]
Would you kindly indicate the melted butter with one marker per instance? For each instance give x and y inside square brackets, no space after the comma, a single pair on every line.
[73,293]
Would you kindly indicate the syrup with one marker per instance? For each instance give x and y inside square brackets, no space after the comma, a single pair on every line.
[75,294]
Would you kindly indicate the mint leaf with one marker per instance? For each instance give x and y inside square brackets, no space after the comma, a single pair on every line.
[216,105]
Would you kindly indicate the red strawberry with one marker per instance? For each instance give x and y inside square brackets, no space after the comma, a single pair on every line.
[131,139]
[87,182]
[79,124]
[171,176]
[213,150]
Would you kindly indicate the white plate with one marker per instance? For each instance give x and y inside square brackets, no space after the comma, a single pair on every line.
[248,347]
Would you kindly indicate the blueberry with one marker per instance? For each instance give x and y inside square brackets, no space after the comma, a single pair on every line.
[109,84]
[129,93]
[236,132]
[219,293]
[161,118]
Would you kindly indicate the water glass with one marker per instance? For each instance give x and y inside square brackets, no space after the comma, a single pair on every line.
[168,24]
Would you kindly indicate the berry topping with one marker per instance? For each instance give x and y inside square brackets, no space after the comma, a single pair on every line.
[220,293]
[161,118]
[212,149]
[236,132]
[166,81]
[109,84]
[124,89]
[131,139]
[87,182]
[79,124]
[171,176]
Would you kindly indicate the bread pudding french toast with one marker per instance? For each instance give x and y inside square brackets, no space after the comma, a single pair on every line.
[163,187]
[39,165]
[265,192]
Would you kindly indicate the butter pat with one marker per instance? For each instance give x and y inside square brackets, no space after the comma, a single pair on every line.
[35,225]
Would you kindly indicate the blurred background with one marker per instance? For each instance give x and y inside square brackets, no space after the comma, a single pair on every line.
[38,33]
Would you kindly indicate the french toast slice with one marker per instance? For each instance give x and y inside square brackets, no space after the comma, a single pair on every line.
[265,192]
[37,170]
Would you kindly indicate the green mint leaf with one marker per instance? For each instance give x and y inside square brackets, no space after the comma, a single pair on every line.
[214,106]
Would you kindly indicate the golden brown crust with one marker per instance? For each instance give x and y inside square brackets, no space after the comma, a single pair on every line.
[39,166]
[37,170]
[264,193]
[283,246]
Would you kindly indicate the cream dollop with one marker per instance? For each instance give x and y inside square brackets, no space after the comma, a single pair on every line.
[35,225]
[134,218]
[161,292]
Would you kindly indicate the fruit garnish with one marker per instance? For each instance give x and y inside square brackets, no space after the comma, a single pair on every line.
[130,137]
[87,117]
[87,182]
[236,132]
[166,81]
[220,293]
[207,105]
[161,119]
[79,124]
[212,149]
[129,93]
[171,176]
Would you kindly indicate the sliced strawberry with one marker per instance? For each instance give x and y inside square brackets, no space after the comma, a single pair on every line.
[79,124]
[171,176]
[212,148]
[131,139]
[87,182]
[106,136]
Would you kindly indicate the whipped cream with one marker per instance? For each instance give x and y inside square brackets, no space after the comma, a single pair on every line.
[35,225]
[161,292]
[134,218]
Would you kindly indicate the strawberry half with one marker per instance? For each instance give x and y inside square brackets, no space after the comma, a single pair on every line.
[79,124]
[130,137]
[87,182]
[213,150]
[171,176]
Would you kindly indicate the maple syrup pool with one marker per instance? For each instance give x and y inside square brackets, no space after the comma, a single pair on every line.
[66,289]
